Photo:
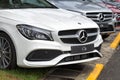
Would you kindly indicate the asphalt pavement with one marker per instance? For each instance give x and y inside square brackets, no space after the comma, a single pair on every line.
[111,70]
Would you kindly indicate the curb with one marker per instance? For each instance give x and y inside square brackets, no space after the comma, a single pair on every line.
[116,42]
[96,72]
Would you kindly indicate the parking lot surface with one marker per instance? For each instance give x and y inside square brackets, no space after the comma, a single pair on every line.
[111,70]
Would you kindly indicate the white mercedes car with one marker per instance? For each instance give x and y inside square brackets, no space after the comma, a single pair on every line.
[34,34]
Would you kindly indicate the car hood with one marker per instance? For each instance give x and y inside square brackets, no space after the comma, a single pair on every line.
[80,6]
[50,19]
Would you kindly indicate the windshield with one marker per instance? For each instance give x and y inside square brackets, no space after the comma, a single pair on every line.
[97,0]
[13,4]
[103,0]
[81,0]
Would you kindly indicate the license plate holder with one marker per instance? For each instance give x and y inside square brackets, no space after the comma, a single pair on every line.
[82,49]
[103,25]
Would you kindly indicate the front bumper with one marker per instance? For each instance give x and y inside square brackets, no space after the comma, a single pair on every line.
[26,47]
[63,60]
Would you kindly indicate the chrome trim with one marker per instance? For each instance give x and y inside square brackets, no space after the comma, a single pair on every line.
[76,35]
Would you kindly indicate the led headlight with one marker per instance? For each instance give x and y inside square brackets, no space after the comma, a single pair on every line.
[34,33]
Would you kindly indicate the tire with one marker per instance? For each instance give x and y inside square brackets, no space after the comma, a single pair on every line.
[7,52]
[104,36]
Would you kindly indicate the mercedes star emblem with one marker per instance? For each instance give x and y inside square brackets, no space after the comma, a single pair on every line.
[82,36]
[101,17]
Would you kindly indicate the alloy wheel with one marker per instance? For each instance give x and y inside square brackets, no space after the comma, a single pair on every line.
[5,53]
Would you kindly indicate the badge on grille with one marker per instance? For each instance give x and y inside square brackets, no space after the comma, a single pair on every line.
[101,17]
[82,36]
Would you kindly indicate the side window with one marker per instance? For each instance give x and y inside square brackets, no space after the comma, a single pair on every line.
[4,4]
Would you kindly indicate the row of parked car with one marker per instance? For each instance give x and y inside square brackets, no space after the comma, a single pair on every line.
[44,33]
[106,13]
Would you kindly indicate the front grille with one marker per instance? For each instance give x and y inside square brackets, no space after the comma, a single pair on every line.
[70,37]
[76,41]
[72,32]
[95,16]
[118,14]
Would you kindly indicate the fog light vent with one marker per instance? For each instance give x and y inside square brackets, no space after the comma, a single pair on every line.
[43,55]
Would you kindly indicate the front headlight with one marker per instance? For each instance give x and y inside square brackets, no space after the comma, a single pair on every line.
[115,15]
[34,33]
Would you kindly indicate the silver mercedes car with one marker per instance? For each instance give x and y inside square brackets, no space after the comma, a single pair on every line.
[98,12]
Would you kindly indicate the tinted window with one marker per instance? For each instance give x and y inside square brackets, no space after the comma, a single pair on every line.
[25,4]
